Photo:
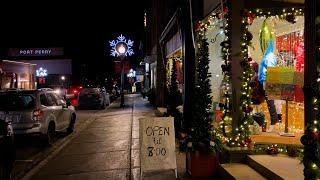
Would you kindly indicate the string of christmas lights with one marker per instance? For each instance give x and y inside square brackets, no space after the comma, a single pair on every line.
[242,136]
[310,139]
[226,121]
[202,27]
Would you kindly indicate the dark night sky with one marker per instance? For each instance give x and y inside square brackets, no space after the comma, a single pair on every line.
[83,28]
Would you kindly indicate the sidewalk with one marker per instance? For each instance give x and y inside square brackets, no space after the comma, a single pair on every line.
[108,148]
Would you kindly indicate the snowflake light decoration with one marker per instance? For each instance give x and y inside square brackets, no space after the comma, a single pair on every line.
[121,42]
[41,72]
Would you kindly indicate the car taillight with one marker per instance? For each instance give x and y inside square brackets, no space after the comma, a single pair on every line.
[75,92]
[37,115]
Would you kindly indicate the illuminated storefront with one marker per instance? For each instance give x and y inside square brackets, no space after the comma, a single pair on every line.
[51,59]
[257,82]
[275,50]
[176,59]
[17,75]
[173,51]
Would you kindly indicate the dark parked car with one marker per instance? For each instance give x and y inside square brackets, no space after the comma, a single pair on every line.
[92,98]
[7,150]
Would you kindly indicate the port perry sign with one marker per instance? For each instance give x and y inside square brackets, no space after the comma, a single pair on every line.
[35,52]
[157,146]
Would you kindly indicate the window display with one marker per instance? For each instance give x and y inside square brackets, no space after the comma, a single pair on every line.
[278,68]
[178,69]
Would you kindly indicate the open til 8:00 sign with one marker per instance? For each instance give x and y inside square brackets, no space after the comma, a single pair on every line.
[157,146]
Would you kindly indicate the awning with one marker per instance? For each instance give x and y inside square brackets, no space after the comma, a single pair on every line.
[173,45]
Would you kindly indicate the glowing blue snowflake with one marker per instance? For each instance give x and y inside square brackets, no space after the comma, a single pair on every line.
[121,41]
[41,72]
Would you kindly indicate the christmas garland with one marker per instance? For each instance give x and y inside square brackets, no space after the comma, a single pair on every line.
[274,149]
[201,29]
[226,122]
[242,137]
[311,138]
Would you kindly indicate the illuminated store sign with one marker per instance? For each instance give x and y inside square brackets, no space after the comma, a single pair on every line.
[16,52]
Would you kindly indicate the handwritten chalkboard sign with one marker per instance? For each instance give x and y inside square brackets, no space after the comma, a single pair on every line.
[157,144]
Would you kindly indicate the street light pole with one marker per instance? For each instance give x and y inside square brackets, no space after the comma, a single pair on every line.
[122,82]
[121,47]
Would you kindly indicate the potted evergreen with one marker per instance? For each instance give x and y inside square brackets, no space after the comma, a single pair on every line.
[202,143]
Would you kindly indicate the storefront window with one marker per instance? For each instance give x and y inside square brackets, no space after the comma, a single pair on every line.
[178,65]
[216,29]
[277,52]
[215,36]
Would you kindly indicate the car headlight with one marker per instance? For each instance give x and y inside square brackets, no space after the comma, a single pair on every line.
[57,91]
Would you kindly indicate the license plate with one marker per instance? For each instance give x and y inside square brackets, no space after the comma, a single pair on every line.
[10,118]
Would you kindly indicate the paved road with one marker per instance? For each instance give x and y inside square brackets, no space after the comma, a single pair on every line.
[31,151]
[107,148]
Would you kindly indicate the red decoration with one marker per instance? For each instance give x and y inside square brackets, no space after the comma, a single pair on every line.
[298,94]
[179,71]
[250,16]
[197,26]
[273,150]
[299,66]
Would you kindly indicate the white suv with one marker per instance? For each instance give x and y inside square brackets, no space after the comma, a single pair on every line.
[41,112]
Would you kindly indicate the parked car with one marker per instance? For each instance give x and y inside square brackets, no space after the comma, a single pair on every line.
[40,112]
[7,149]
[74,91]
[92,98]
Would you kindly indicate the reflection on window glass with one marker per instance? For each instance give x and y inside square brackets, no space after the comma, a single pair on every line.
[43,100]
[51,100]
[15,101]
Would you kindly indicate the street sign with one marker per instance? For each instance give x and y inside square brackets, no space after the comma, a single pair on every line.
[117,67]
[157,147]
[42,80]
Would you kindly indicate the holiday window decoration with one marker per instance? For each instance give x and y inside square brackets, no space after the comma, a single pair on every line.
[242,136]
[311,138]
[201,29]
